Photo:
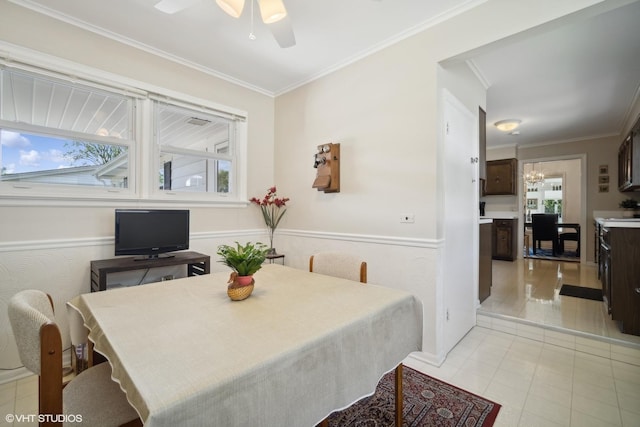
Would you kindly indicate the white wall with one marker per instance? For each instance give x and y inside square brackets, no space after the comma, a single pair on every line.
[49,247]
[383,110]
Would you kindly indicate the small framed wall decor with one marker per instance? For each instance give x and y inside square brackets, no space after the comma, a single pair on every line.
[603,188]
[604,169]
[603,179]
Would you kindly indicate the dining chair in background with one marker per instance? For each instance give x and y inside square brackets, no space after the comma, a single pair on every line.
[572,236]
[92,394]
[545,228]
[336,264]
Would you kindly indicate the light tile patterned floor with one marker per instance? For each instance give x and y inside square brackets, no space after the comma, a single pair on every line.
[541,384]
[19,398]
[529,289]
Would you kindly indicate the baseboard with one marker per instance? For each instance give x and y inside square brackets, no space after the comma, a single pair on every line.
[427,358]
[14,375]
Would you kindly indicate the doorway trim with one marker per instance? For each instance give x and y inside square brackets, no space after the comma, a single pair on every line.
[583,197]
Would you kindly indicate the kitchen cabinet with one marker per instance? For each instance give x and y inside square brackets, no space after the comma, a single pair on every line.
[505,239]
[629,161]
[619,255]
[501,177]
[484,267]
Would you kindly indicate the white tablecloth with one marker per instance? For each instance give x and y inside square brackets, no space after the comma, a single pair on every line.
[301,346]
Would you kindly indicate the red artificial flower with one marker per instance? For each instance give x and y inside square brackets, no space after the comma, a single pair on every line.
[272,211]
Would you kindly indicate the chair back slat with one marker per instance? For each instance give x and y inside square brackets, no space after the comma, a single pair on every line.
[50,381]
[337,264]
[39,345]
[28,311]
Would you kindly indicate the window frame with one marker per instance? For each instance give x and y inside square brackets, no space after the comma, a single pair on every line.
[141,150]
[233,141]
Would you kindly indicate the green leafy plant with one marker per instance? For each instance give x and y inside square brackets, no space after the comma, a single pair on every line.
[244,260]
[629,204]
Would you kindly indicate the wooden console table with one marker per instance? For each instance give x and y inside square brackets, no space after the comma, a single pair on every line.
[197,265]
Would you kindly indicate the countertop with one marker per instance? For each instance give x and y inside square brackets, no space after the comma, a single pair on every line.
[619,222]
[485,220]
[500,215]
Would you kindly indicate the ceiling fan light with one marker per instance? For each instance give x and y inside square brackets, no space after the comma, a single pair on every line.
[507,125]
[231,7]
[272,10]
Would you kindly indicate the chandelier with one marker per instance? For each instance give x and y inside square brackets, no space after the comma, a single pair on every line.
[533,177]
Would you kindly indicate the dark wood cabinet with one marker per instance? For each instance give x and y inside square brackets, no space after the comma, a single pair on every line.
[629,161]
[620,252]
[505,239]
[485,274]
[197,264]
[501,177]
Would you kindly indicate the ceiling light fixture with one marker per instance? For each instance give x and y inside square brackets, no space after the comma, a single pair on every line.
[232,7]
[533,177]
[507,125]
[270,10]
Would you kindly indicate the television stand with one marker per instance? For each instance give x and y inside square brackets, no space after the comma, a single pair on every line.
[154,257]
[197,265]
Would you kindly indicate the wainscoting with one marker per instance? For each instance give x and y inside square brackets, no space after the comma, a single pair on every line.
[61,268]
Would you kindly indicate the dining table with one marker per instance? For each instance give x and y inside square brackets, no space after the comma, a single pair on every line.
[562,226]
[301,346]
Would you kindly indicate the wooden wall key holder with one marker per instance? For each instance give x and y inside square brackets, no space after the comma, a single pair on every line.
[327,164]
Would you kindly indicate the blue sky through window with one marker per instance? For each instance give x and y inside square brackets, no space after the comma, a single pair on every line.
[23,152]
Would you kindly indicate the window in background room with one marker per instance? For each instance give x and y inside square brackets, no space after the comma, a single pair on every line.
[546,197]
[196,150]
[61,135]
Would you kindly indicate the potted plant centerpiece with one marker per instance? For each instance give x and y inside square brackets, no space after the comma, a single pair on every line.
[630,207]
[244,260]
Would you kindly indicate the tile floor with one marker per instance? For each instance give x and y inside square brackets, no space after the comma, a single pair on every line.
[541,384]
[19,398]
[537,383]
[528,289]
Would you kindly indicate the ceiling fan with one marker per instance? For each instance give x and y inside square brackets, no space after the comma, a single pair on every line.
[273,14]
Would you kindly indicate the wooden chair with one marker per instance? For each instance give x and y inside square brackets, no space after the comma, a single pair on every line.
[545,227]
[92,394]
[337,264]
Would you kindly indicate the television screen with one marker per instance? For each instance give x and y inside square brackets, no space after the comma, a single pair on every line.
[151,232]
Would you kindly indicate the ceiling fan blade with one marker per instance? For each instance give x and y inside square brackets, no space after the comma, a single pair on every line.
[173,6]
[283,32]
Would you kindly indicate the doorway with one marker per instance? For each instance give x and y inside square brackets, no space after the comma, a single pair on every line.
[562,190]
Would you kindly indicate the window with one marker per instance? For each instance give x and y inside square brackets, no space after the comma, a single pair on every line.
[546,197]
[196,150]
[91,135]
[57,133]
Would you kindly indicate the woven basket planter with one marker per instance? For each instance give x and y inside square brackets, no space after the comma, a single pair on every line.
[238,291]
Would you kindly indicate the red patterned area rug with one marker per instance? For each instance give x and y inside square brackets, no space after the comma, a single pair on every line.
[427,402]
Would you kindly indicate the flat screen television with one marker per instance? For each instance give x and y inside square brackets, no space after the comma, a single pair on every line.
[151,232]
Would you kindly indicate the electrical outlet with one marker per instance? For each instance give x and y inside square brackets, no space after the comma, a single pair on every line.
[408,218]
